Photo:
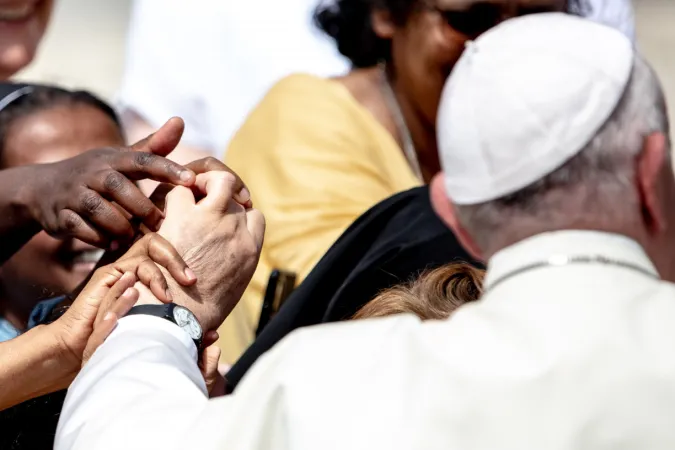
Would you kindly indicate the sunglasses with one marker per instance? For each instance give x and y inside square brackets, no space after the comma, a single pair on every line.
[480,17]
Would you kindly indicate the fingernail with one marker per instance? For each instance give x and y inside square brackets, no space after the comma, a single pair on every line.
[110,316]
[190,274]
[169,297]
[244,195]
[185,176]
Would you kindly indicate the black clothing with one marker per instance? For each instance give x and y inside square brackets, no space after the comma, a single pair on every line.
[391,243]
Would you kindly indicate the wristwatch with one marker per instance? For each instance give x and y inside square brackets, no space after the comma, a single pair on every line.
[177,314]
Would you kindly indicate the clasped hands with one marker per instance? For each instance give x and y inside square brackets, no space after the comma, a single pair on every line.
[202,257]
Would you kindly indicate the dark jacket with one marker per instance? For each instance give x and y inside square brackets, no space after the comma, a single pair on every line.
[391,243]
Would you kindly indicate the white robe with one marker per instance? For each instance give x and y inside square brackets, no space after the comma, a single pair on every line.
[572,357]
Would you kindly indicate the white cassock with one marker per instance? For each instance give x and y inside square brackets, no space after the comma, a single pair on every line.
[576,356]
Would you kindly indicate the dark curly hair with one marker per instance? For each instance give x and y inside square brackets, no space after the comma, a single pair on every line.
[31,99]
[349,23]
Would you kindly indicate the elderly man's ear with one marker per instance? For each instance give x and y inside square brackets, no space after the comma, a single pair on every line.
[446,211]
[656,184]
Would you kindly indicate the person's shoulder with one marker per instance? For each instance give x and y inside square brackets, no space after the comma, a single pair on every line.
[349,353]
[302,113]
[350,342]
[305,89]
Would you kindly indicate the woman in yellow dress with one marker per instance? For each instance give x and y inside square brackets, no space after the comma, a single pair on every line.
[317,153]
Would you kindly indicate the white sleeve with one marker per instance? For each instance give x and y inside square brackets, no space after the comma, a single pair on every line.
[141,389]
[163,69]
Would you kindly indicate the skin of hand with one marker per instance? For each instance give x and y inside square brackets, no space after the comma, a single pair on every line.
[47,358]
[141,263]
[75,197]
[219,238]
[204,165]
[208,366]
[136,128]
[121,297]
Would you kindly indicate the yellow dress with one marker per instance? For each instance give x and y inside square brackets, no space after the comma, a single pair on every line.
[314,160]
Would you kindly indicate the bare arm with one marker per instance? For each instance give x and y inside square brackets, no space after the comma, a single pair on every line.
[34,364]
[47,358]
[17,225]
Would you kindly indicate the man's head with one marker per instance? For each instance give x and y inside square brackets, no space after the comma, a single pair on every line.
[552,123]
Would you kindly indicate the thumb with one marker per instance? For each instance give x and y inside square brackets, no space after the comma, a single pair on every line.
[101,332]
[163,141]
[209,367]
[255,222]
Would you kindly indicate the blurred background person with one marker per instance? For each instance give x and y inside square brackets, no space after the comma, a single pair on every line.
[208,51]
[211,61]
[103,22]
[22,25]
[45,124]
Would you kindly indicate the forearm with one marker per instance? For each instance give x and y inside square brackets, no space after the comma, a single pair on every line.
[141,389]
[17,225]
[33,364]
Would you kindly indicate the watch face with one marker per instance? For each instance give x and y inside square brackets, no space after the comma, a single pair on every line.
[188,322]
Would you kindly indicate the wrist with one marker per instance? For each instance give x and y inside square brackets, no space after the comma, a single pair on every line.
[58,363]
[195,299]
[145,295]
[59,347]
[17,224]
[24,197]
[34,364]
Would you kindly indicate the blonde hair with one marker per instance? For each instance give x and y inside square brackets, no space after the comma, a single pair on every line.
[433,295]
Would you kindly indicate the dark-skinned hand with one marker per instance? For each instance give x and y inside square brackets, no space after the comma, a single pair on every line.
[158,197]
[241,196]
[75,197]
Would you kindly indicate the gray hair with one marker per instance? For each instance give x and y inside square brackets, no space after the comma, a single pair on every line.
[595,186]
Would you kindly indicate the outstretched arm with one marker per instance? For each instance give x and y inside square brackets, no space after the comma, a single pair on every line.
[47,358]
[145,379]
[34,364]
[75,197]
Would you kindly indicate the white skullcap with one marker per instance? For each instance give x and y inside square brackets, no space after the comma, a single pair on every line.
[524,98]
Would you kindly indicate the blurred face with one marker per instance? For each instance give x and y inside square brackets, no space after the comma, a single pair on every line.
[22,25]
[44,137]
[425,49]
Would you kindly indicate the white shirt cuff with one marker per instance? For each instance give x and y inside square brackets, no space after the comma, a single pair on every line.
[146,322]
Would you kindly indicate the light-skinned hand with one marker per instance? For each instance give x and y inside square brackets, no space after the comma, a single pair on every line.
[142,262]
[219,238]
